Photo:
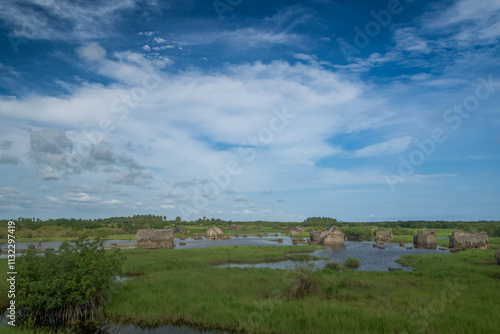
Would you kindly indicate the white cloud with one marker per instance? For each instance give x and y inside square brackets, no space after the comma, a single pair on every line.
[365,64]
[112,202]
[148,33]
[81,198]
[159,40]
[407,40]
[469,22]
[48,174]
[54,200]
[240,198]
[92,51]
[163,47]
[242,105]
[64,19]
[393,146]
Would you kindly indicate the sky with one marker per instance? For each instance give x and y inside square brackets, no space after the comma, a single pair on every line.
[250,110]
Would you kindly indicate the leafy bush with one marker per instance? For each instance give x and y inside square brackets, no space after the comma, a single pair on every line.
[334,266]
[59,289]
[358,232]
[352,263]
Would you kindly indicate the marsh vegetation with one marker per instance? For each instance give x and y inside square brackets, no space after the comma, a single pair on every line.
[446,293]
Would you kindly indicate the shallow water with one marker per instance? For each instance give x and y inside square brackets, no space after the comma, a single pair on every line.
[371,258]
[190,243]
[168,329]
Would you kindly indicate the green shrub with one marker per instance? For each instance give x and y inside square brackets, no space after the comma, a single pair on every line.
[303,280]
[352,263]
[61,289]
[334,266]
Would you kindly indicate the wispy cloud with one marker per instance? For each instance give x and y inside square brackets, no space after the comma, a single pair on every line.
[469,22]
[64,19]
[393,146]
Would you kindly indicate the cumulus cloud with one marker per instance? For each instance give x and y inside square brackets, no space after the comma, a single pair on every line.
[113,202]
[135,178]
[240,198]
[6,144]
[52,149]
[81,198]
[50,141]
[92,51]
[9,159]
[48,174]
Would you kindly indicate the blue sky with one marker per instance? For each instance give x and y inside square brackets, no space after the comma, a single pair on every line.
[250,110]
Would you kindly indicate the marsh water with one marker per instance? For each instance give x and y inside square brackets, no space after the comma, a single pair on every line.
[371,258]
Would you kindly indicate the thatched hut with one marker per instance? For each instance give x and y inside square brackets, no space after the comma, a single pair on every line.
[384,235]
[332,236]
[214,232]
[497,256]
[235,227]
[314,236]
[297,230]
[462,240]
[148,238]
[425,240]
[181,229]
[257,227]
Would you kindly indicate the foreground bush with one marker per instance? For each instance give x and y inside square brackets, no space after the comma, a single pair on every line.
[334,266]
[352,263]
[60,289]
[303,280]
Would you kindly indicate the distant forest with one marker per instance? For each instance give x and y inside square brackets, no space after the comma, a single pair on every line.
[73,228]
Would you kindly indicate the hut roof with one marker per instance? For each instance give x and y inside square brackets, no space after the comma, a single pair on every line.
[216,229]
[468,240]
[181,229]
[153,235]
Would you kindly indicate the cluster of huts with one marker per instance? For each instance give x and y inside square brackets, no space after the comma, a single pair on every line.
[332,236]
[295,230]
[459,240]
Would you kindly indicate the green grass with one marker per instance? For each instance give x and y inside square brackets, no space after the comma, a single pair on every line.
[121,237]
[334,266]
[352,263]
